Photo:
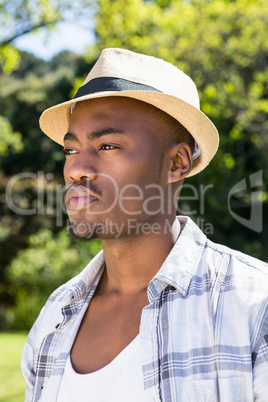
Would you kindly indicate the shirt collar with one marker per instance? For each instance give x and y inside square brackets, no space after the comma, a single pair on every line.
[181,263]
[89,277]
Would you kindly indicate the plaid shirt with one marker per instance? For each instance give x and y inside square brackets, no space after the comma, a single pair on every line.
[204,333]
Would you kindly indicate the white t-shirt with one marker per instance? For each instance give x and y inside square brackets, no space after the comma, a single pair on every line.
[119,381]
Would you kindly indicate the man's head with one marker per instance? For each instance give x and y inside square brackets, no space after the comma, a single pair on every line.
[125,163]
[135,132]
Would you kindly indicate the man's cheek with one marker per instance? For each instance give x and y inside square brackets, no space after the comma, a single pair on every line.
[131,199]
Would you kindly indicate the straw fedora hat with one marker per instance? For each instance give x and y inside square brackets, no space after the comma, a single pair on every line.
[120,72]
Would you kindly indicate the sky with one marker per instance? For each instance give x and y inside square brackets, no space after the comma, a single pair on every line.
[66,36]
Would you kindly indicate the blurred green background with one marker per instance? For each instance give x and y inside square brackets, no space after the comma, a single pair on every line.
[221,44]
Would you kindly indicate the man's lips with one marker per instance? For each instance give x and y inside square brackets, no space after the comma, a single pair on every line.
[78,197]
[80,202]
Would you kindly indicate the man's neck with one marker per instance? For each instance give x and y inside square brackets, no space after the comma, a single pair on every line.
[132,262]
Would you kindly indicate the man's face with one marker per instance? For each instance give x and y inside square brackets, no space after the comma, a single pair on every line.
[116,172]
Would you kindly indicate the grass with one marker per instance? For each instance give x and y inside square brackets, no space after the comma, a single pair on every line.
[12,383]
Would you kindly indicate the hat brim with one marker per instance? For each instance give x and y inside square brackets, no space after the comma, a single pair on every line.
[54,121]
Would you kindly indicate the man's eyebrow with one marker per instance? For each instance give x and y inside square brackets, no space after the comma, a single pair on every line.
[106,131]
[70,137]
[94,134]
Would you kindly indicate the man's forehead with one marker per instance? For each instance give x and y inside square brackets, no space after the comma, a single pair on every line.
[92,119]
[103,104]
[118,113]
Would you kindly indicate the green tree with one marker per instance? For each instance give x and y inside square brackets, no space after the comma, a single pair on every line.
[19,17]
[8,138]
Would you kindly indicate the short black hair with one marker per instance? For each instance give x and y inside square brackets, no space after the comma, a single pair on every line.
[171,129]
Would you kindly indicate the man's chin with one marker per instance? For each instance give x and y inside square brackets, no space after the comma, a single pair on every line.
[82,237]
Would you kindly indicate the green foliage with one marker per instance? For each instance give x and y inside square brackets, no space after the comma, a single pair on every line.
[19,17]
[9,139]
[9,58]
[48,262]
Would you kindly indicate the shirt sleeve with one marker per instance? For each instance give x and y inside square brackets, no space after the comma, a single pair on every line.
[27,366]
[260,371]
[28,360]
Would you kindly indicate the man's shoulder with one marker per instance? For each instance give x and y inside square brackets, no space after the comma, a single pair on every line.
[238,256]
[216,254]
[237,267]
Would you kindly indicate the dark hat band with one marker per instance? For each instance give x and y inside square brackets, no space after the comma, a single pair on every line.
[102,84]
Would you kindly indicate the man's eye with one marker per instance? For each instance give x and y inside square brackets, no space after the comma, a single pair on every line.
[107,147]
[68,151]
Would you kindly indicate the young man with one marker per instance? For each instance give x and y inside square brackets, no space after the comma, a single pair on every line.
[162,313]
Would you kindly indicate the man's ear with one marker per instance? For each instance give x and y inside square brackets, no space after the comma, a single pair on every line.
[180,162]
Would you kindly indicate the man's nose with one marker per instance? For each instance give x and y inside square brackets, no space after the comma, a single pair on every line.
[81,170]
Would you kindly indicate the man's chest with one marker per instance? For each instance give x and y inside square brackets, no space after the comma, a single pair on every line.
[108,326]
